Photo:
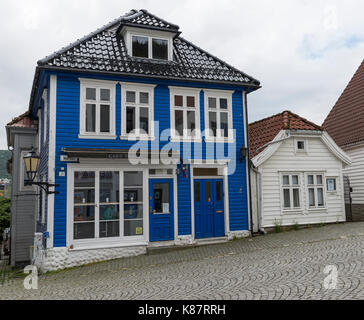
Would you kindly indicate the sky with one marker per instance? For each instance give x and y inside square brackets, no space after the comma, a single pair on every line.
[304,52]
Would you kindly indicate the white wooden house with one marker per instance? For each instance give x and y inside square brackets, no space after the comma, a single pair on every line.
[345,124]
[297,175]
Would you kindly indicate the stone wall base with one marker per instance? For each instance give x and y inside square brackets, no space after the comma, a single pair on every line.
[238,235]
[62,258]
[357,212]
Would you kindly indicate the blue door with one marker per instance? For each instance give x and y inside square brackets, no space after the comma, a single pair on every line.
[161,211]
[209,208]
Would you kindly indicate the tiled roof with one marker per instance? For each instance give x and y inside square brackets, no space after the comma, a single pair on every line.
[265,130]
[104,50]
[345,123]
[23,121]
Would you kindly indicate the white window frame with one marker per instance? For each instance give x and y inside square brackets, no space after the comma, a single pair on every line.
[316,186]
[291,187]
[336,185]
[129,32]
[98,242]
[219,94]
[185,92]
[137,88]
[302,151]
[97,84]
[45,115]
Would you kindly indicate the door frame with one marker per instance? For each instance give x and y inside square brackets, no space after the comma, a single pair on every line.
[225,178]
[175,197]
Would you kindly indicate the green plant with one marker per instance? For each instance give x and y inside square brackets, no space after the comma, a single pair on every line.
[277,226]
[296,226]
[4,214]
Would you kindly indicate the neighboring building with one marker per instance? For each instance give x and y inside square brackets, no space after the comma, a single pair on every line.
[298,175]
[97,98]
[345,124]
[21,136]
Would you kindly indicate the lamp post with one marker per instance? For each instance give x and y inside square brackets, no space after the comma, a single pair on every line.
[32,161]
[243,153]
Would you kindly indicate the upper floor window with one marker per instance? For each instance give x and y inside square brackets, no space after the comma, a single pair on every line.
[150,47]
[137,110]
[218,115]
[185,113]
[97,109]
[301,145]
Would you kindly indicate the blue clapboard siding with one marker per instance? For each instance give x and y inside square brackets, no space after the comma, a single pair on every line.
[67,128]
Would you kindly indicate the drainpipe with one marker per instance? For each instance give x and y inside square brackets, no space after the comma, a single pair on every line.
[246,126]
[259,198]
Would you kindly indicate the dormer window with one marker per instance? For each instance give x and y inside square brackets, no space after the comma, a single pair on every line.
[150,48]
[148,44]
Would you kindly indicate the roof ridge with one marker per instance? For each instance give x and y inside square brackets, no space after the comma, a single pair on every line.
[267,118]
[221,61]
[306,120]
[130,15]
[164,21]
[18,118]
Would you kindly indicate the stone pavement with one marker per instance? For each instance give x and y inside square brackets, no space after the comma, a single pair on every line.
[277,266]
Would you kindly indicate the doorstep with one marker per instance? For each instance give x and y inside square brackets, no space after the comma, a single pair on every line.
[169,246]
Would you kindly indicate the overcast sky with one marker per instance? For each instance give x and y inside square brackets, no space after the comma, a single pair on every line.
[304,52]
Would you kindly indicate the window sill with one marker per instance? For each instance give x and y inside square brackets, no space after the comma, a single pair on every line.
[97,137]
[317,209]
[120,244]
[219,140]
[186,139]
[293,211]
[137,138]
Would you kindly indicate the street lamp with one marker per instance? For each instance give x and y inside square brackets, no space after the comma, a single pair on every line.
[32,161]
[243,153]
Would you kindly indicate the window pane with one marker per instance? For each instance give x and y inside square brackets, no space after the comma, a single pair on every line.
[296,198]
[310,180]
[212,103]
[218,191]
[133,228]
[286,198]
[109,187]
[197,192]
[191,122]
[130,119]
[320,197]
[301,145]
[144,120]
[105,118]
[144,97]
[84,188]
[84,231]
[90,117]
[286,180]
[208,192]
[160,49]
[109,213]
[319,180]
[133,211]
[311,195]
[295,180]
[109,229]
[130,96]
[331,185]
[178,101]
[105,94]
[140,47]
[191,102]
[133,195]
[212,123]
[179,122]
[90,93]
[224,124]
[223,104]
[84,213]
[132,179]
[161,198]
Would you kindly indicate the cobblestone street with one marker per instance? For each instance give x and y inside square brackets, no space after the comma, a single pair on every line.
[277,266]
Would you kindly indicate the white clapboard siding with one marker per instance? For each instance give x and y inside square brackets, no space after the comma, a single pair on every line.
[356,174]
[318,157]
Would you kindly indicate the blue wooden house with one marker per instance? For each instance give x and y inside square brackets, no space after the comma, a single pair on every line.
[145,135]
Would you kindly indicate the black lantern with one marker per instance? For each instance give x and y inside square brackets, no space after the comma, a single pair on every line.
[243,153]
[31,161]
